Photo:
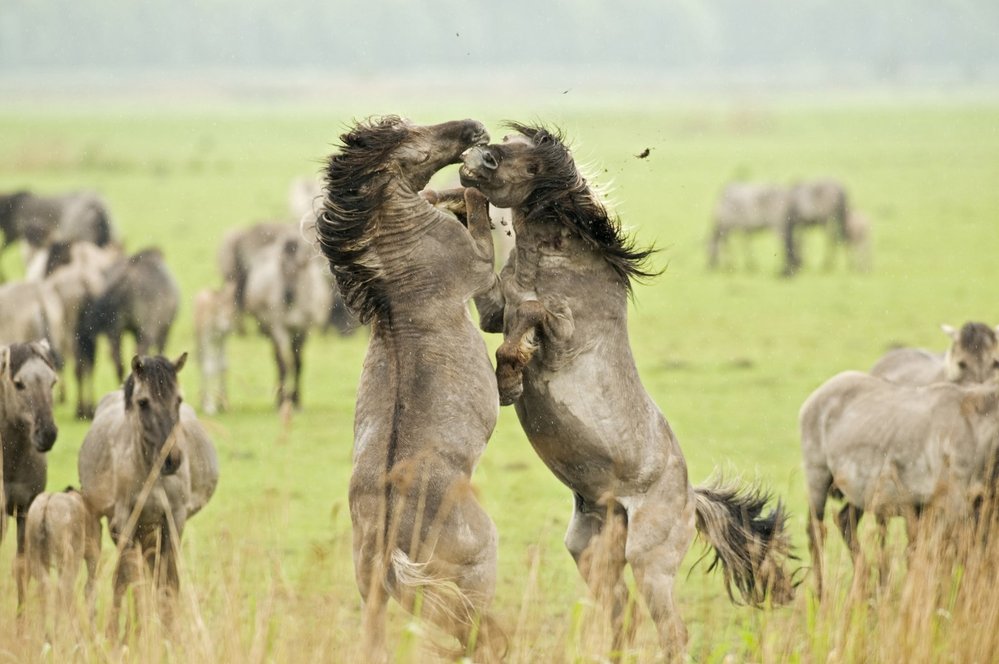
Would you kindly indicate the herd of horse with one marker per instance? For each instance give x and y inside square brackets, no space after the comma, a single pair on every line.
[919,429]
[750,208]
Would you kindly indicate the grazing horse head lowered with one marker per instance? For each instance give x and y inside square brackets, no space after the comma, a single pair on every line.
[426,402]
[566,365]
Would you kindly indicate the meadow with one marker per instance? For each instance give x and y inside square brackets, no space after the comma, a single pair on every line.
[729,357]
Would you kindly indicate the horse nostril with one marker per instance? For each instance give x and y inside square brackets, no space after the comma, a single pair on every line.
[489,161]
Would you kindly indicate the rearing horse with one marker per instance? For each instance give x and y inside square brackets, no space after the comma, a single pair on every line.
[565,363]
[426,402]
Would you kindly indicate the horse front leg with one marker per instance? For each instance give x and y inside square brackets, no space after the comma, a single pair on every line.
[297,349]
[284,357]
[518,348]
[532,323]
[20,560]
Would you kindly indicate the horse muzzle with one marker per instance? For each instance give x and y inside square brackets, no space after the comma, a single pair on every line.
[45,437]
[172,462]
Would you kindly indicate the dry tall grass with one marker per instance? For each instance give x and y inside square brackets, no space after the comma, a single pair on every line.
[938,603]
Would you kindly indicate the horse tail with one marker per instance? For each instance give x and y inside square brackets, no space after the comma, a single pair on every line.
[37,542]
[444,602]
[751,548]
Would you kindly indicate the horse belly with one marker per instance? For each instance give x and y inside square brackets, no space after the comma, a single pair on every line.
[592,438]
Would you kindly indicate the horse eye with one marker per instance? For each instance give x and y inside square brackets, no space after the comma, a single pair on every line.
[995,364]
[143,403]
[19,384]
[180,400]
[962,365]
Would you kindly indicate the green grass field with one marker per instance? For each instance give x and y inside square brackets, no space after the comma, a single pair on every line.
[729,357]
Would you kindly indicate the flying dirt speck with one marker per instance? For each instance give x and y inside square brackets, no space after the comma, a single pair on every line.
[644,153]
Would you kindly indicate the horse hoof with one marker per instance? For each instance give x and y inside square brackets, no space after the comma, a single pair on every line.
[508,395]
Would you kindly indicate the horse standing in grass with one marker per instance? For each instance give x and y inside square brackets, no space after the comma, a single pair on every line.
[27,432]
[816,203]
[747,208]
[892,449]
[565,363]
[147,465]
[426,402]
[62,533]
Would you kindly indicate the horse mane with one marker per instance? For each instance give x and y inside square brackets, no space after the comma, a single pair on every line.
[976,337]
[158,373]
[20,353]
[354,190]
[562,192]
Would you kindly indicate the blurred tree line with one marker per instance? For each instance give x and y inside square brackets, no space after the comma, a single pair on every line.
[369,36]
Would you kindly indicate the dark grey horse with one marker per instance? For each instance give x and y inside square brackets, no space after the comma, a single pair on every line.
[141,298]
[565,363]
[27,432]
[42,220]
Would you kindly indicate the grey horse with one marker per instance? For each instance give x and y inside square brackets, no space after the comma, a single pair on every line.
[973,357]
[27,432]
[144,435]
[565,363]
[62,533]
[747,208]
[42,220]
[288,291]
[141,298]
[426,402]
[816,203]
[893,449]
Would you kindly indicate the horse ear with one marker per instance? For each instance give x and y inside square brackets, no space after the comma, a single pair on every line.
[136,365]
[950,332]
[180,362]
[4,361]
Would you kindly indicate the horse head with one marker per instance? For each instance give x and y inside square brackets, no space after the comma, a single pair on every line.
[412,152]
[974,353]
[27,376]
[153,398]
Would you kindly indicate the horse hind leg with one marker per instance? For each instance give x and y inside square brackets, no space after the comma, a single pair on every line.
[658,539]
[596,540]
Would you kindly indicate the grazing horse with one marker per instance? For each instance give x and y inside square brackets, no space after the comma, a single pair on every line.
[821,203]
[27,432]
[426,402]
[147,465]
[893,449]
[747,208]
[565,363]
[141,298]
[42,220]
[973,357]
